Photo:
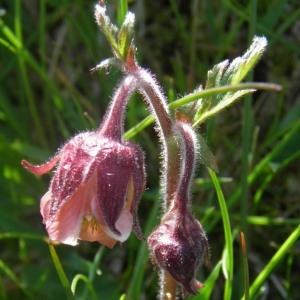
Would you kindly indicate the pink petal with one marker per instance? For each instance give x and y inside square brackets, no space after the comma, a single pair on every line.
[45,205]
[124,226]
[64,224]
[77,218]
[42,169]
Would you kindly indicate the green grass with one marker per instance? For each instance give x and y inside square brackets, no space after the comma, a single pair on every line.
[48,94]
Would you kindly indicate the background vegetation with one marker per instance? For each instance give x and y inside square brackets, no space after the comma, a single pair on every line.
[48,94]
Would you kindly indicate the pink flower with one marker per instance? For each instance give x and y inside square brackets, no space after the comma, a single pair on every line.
[95,189]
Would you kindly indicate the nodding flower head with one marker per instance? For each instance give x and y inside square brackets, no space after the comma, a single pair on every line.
[95,190]
[99,179]
[179,246]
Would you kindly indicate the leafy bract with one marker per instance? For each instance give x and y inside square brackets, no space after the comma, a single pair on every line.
[226,74]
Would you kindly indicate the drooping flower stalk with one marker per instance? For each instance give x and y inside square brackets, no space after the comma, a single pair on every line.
[117,108]
[189,151]
[146,84]
[153,95]
[125,59]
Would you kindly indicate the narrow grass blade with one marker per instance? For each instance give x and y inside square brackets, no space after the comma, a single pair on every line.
[122,11]
[264,274]
[61,274]
[87,282]
[228,236]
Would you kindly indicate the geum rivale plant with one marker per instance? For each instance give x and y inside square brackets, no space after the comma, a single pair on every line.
[100,176]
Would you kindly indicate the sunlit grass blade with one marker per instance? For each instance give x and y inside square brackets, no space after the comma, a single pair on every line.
[87,282]
[122,11]
[278,256]
[228,236]
[61,274]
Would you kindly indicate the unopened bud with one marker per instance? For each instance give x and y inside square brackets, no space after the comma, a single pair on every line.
[179,246]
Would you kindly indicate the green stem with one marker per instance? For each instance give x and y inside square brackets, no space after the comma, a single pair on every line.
[61,274]
[228,236]
[263,275]
[196,96]
[247,133]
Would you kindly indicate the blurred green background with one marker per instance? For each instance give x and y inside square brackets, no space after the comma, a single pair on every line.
[48,94]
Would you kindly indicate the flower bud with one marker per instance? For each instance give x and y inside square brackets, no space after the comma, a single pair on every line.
[179,246]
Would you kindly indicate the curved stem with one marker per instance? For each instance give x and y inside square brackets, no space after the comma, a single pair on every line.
[112,125]
[188,161]
[152,93]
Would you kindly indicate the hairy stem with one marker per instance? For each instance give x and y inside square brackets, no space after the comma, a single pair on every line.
[188,161]
[152,93]
[116,110]
[168,286]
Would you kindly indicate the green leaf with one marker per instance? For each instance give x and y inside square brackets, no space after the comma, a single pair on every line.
[206,158]
[126,34]
[109,30]
[224,74]
[214,76]
[249,59]
[229,98]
